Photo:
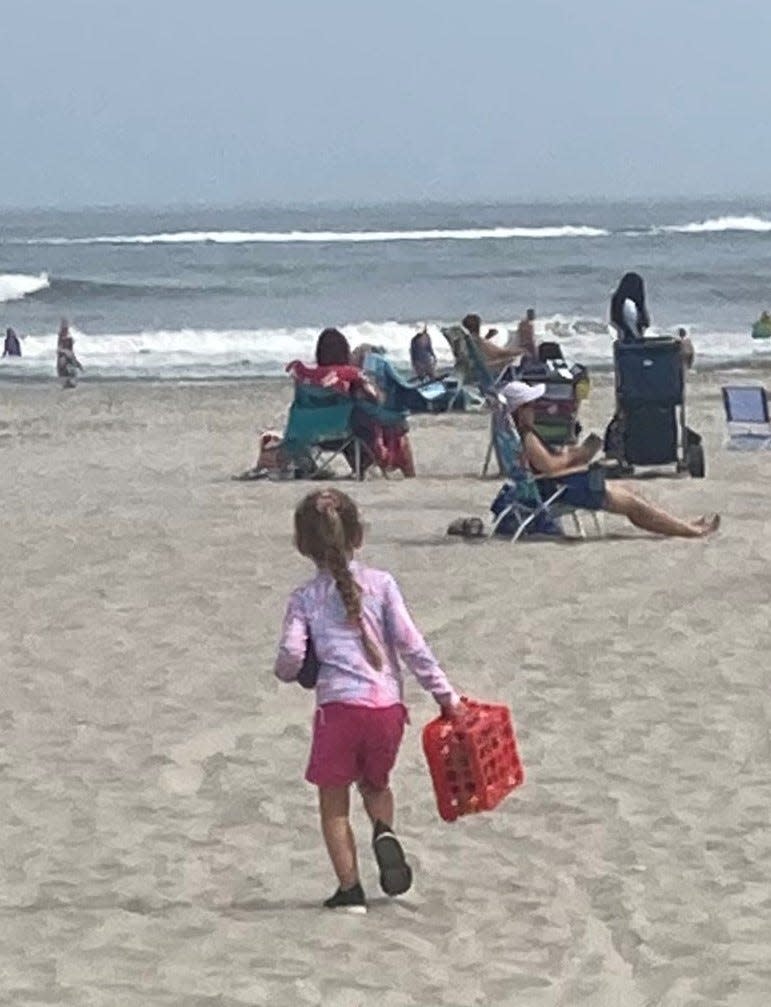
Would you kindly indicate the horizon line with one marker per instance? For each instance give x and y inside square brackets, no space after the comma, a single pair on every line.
[332,204]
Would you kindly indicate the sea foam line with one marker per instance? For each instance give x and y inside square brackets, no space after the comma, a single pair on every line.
[323,237]
[716,225]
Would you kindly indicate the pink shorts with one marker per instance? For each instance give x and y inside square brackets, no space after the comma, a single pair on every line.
[355,744]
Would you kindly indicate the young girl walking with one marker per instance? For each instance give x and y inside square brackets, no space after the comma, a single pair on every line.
[355,619]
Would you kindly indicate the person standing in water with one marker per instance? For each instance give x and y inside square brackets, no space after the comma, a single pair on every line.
[12,346]
[64,331]
[67,364]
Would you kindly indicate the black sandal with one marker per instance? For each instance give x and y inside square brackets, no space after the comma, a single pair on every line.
[395,872]
[473,527]
[467,527]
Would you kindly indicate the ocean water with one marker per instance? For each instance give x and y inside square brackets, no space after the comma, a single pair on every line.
[228,293]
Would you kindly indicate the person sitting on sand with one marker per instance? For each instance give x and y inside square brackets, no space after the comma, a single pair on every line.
[422,356]
[628,311]
[12,346]
[567,467]
[67,364]
[496,356]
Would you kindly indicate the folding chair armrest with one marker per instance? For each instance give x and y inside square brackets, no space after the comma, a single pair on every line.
[562,473]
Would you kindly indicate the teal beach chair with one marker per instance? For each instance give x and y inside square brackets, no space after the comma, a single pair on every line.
[323,424]
[319,429]
[470,379]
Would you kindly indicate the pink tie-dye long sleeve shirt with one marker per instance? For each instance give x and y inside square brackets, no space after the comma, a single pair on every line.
[345,674]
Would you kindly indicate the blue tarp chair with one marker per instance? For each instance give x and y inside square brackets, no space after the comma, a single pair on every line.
[747,417]
[430,397]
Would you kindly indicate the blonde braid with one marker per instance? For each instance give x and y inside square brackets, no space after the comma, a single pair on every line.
[350,592]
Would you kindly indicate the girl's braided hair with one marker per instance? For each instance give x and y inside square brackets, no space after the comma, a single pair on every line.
[327,530]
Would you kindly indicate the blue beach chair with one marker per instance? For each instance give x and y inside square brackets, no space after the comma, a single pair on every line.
[430,397]
[522,505]
[747,417]
[473,375]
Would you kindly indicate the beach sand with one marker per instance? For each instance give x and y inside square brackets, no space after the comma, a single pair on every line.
[159,844]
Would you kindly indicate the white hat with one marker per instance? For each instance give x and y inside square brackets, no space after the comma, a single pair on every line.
[517,393]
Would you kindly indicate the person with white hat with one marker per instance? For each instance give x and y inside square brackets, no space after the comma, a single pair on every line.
[584,489]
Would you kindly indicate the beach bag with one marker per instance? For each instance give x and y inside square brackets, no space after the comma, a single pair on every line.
[527,496]
[270,457]
[309,672]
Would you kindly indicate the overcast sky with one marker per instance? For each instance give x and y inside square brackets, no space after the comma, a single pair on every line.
[223,101]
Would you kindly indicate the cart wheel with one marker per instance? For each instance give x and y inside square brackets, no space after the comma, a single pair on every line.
[695,460]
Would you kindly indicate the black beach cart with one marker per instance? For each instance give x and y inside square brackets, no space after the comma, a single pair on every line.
[649,427]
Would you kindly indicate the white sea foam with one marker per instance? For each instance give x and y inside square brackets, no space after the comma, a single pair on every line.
[718,224]
[315,237]
[14,286]
[208,353]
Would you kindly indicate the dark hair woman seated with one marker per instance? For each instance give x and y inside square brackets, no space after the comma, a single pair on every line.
[388,443]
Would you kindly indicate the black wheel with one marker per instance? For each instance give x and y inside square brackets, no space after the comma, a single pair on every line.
[694,460]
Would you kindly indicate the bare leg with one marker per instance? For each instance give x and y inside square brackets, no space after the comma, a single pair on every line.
[379,804]
[409,461]
[650,518]
[334,805]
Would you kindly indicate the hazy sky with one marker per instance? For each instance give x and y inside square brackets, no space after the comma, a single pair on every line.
[221,101]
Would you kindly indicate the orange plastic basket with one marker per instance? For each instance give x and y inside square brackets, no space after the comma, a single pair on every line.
[474,763]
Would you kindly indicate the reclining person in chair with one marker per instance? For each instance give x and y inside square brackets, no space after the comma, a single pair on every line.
[584,488]
[496,356]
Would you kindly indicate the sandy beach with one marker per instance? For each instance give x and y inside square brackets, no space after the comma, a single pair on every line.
[159,845]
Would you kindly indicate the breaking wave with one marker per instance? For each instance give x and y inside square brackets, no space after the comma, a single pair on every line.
[718,224]
[191,354]
[14,286]
[327,237]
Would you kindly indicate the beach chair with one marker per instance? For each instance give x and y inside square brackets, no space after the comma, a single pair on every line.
[521,506]
[319,429]
[399,395]
[473,379]
[747,417]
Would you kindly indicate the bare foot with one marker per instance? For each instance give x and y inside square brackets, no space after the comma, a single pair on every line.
[707,524]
